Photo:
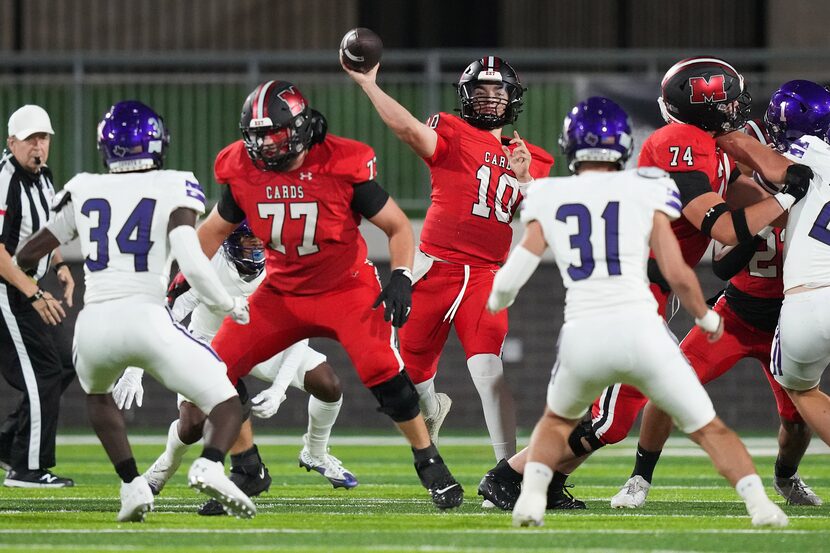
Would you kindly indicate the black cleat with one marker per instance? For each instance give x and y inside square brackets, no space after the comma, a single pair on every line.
[39,478]
[251,484]
[562,499]
[445,490]
[501,486]
[447,493]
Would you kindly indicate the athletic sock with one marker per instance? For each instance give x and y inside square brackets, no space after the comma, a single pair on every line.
[426,398]
[321,418]
[213,454]
[784,471]
[537,477]
[127,470]
[645,462]
[175,448]
[751,490]
[557,483]
[487,373]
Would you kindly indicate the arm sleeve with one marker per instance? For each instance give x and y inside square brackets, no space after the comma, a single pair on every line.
[515,273]
[290,365]
[184,305]
[691,184]
[733,260]
[197,269]
[369,198]
[228,208]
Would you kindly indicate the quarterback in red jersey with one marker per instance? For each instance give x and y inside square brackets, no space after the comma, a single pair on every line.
[303,192]
[466,234]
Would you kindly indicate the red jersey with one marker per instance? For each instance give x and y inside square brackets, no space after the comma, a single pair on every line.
[762,277]
[474,193]
[304,216]
[678,148]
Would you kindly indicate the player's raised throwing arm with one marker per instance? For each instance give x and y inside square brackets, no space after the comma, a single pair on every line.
[681,277]
[418,135]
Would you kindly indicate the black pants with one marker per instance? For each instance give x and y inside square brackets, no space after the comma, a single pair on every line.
[30,363]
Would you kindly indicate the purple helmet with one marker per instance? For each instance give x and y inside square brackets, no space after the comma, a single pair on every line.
[132,137]
[249,260]
[795,109]
[596,130]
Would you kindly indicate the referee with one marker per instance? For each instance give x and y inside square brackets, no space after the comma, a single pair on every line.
[29,358]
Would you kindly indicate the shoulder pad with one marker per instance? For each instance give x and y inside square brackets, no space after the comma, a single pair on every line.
[651,172]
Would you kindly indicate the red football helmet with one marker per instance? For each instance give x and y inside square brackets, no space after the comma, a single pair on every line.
[275,110]
[706,92]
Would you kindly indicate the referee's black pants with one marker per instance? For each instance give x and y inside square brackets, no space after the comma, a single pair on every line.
[30,363]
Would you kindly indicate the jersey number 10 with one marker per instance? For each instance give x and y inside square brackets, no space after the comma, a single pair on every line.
[581,240]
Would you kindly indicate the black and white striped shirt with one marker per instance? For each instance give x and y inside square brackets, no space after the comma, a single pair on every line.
[25,200]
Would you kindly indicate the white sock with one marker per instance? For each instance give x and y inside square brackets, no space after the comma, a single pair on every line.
[537,477]
[751,490]
[175,448]
[321,417]
[487,372]
[426,398]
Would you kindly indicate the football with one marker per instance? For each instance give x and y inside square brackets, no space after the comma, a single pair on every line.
[361,48]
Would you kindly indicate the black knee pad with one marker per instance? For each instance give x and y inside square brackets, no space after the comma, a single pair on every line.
[244,399]
[397,398]
[584,430]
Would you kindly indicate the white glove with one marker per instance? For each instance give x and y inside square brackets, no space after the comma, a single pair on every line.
[129,388]
[238,311]
[267,402]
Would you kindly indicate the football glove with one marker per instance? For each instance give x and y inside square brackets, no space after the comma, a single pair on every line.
[797,181]
[396,297]
[129,388]
[238,311]
[178,286]
[266,403]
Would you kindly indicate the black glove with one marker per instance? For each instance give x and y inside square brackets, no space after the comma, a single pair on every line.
[319,127]
[178,286]
[397,297]
[797,181]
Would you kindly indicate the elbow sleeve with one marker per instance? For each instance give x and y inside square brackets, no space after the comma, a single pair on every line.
[516,272]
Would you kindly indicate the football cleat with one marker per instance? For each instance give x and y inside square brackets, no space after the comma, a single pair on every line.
[327,465]
[632,495]
[530,509]
[796,491]
[499,491]
[561,498]
[209,477]
[767,513]
[435,421]
[160,472]
[40,478]
[445,490]
[136,500]
[447,493]
[251,484]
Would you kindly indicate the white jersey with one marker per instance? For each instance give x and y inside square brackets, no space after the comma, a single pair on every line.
[598,225]
[807,240]
[205,323]
[122,221]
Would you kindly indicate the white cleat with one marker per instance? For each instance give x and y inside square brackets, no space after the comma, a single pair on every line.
[209,478]
[767,514]
[530,509]
[328,465]
[632,495]
[434,422]
[160,472]
[796,491]
[136,500]
[487,504]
